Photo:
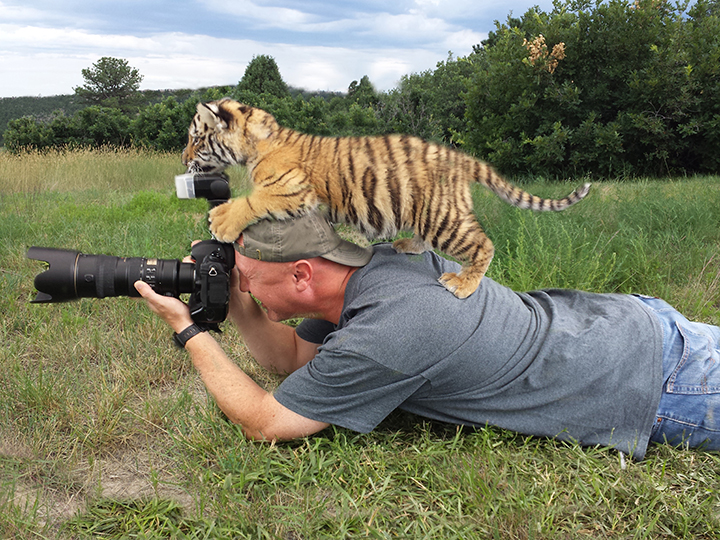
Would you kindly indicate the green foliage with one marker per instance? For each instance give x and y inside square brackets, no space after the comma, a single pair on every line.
[27,133]
[91,126]
[632,90]
[104,126]
[430,104]
[163,126]
[355,121]
[160,126]
[40,107]
[294,113]
[363,93]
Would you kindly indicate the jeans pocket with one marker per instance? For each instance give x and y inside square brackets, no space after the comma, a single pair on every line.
[699,369]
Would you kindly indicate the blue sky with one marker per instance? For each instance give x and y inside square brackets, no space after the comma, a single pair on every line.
[318,45]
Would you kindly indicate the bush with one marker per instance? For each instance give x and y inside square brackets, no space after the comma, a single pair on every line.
[599,89]
[104,126]
[163,126]
[27,133]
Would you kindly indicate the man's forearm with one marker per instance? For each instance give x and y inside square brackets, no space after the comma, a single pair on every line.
[241,399]
[237,395]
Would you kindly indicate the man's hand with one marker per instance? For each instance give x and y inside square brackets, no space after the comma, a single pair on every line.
[171,310]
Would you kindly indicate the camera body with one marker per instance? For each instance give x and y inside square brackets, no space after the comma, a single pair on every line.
[210,296]
[71,275]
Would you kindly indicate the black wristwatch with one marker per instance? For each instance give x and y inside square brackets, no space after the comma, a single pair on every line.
[181,338]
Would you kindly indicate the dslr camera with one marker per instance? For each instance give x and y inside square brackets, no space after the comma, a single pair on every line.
[71,275]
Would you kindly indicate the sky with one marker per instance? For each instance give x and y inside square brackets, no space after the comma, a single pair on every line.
[318,45]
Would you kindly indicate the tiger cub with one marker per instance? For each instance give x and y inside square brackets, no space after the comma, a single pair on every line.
[381,185]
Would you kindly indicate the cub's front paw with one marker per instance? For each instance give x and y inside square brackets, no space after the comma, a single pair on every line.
[223,223]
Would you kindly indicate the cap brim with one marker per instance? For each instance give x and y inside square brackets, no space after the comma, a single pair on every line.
[349,254]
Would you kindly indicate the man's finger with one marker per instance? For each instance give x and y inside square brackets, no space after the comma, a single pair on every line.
[143,288]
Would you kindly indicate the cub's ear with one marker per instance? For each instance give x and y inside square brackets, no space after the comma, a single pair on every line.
[208,113]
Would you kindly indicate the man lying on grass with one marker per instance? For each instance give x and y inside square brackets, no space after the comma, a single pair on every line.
[381,333]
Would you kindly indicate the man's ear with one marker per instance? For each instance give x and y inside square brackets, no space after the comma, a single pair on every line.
[302,274]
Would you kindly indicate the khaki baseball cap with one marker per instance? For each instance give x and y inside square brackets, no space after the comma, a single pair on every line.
[305,237]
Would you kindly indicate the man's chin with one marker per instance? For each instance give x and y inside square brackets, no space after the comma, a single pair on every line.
[277,317]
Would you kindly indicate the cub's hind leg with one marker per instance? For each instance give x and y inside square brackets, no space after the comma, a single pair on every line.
[476,250]
[414,245]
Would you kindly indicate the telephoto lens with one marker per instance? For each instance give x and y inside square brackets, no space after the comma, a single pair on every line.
[72,275]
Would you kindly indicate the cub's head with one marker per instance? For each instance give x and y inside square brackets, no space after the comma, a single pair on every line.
[224,133]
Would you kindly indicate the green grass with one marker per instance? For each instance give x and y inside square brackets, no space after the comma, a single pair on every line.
[107,432]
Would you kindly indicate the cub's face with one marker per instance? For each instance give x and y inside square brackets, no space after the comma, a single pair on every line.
[202,153]
[224,133]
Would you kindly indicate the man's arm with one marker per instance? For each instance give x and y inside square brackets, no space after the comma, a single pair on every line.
[241,399]
[237,395]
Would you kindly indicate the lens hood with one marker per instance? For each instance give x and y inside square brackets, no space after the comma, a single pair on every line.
[58,282]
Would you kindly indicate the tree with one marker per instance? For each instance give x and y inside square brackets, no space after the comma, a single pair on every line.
[262,76]
[429,104]
[363,93]
[111,82]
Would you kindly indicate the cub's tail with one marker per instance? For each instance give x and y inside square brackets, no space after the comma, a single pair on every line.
[521,198]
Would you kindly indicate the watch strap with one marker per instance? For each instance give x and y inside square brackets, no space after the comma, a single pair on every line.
[181,338]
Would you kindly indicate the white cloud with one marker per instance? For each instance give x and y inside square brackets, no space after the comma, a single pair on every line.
[318,45]
[411,27]
[461,42]
[18,13]
[408,26]
[35,38]
[273,16]
[40,74]
[50,61]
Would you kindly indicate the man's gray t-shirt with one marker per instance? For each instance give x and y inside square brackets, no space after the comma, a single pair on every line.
[556,363]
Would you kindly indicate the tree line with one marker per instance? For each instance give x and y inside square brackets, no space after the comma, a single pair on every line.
[601,89]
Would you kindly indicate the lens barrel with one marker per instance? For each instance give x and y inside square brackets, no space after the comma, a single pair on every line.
[73,275]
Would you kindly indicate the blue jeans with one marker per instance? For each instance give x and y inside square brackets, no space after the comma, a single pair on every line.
[689,411]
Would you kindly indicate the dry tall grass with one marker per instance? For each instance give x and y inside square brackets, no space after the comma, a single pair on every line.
[110,169]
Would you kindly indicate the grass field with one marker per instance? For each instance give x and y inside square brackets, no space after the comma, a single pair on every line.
[106,431]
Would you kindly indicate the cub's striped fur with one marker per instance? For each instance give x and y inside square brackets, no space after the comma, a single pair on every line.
[381,185]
